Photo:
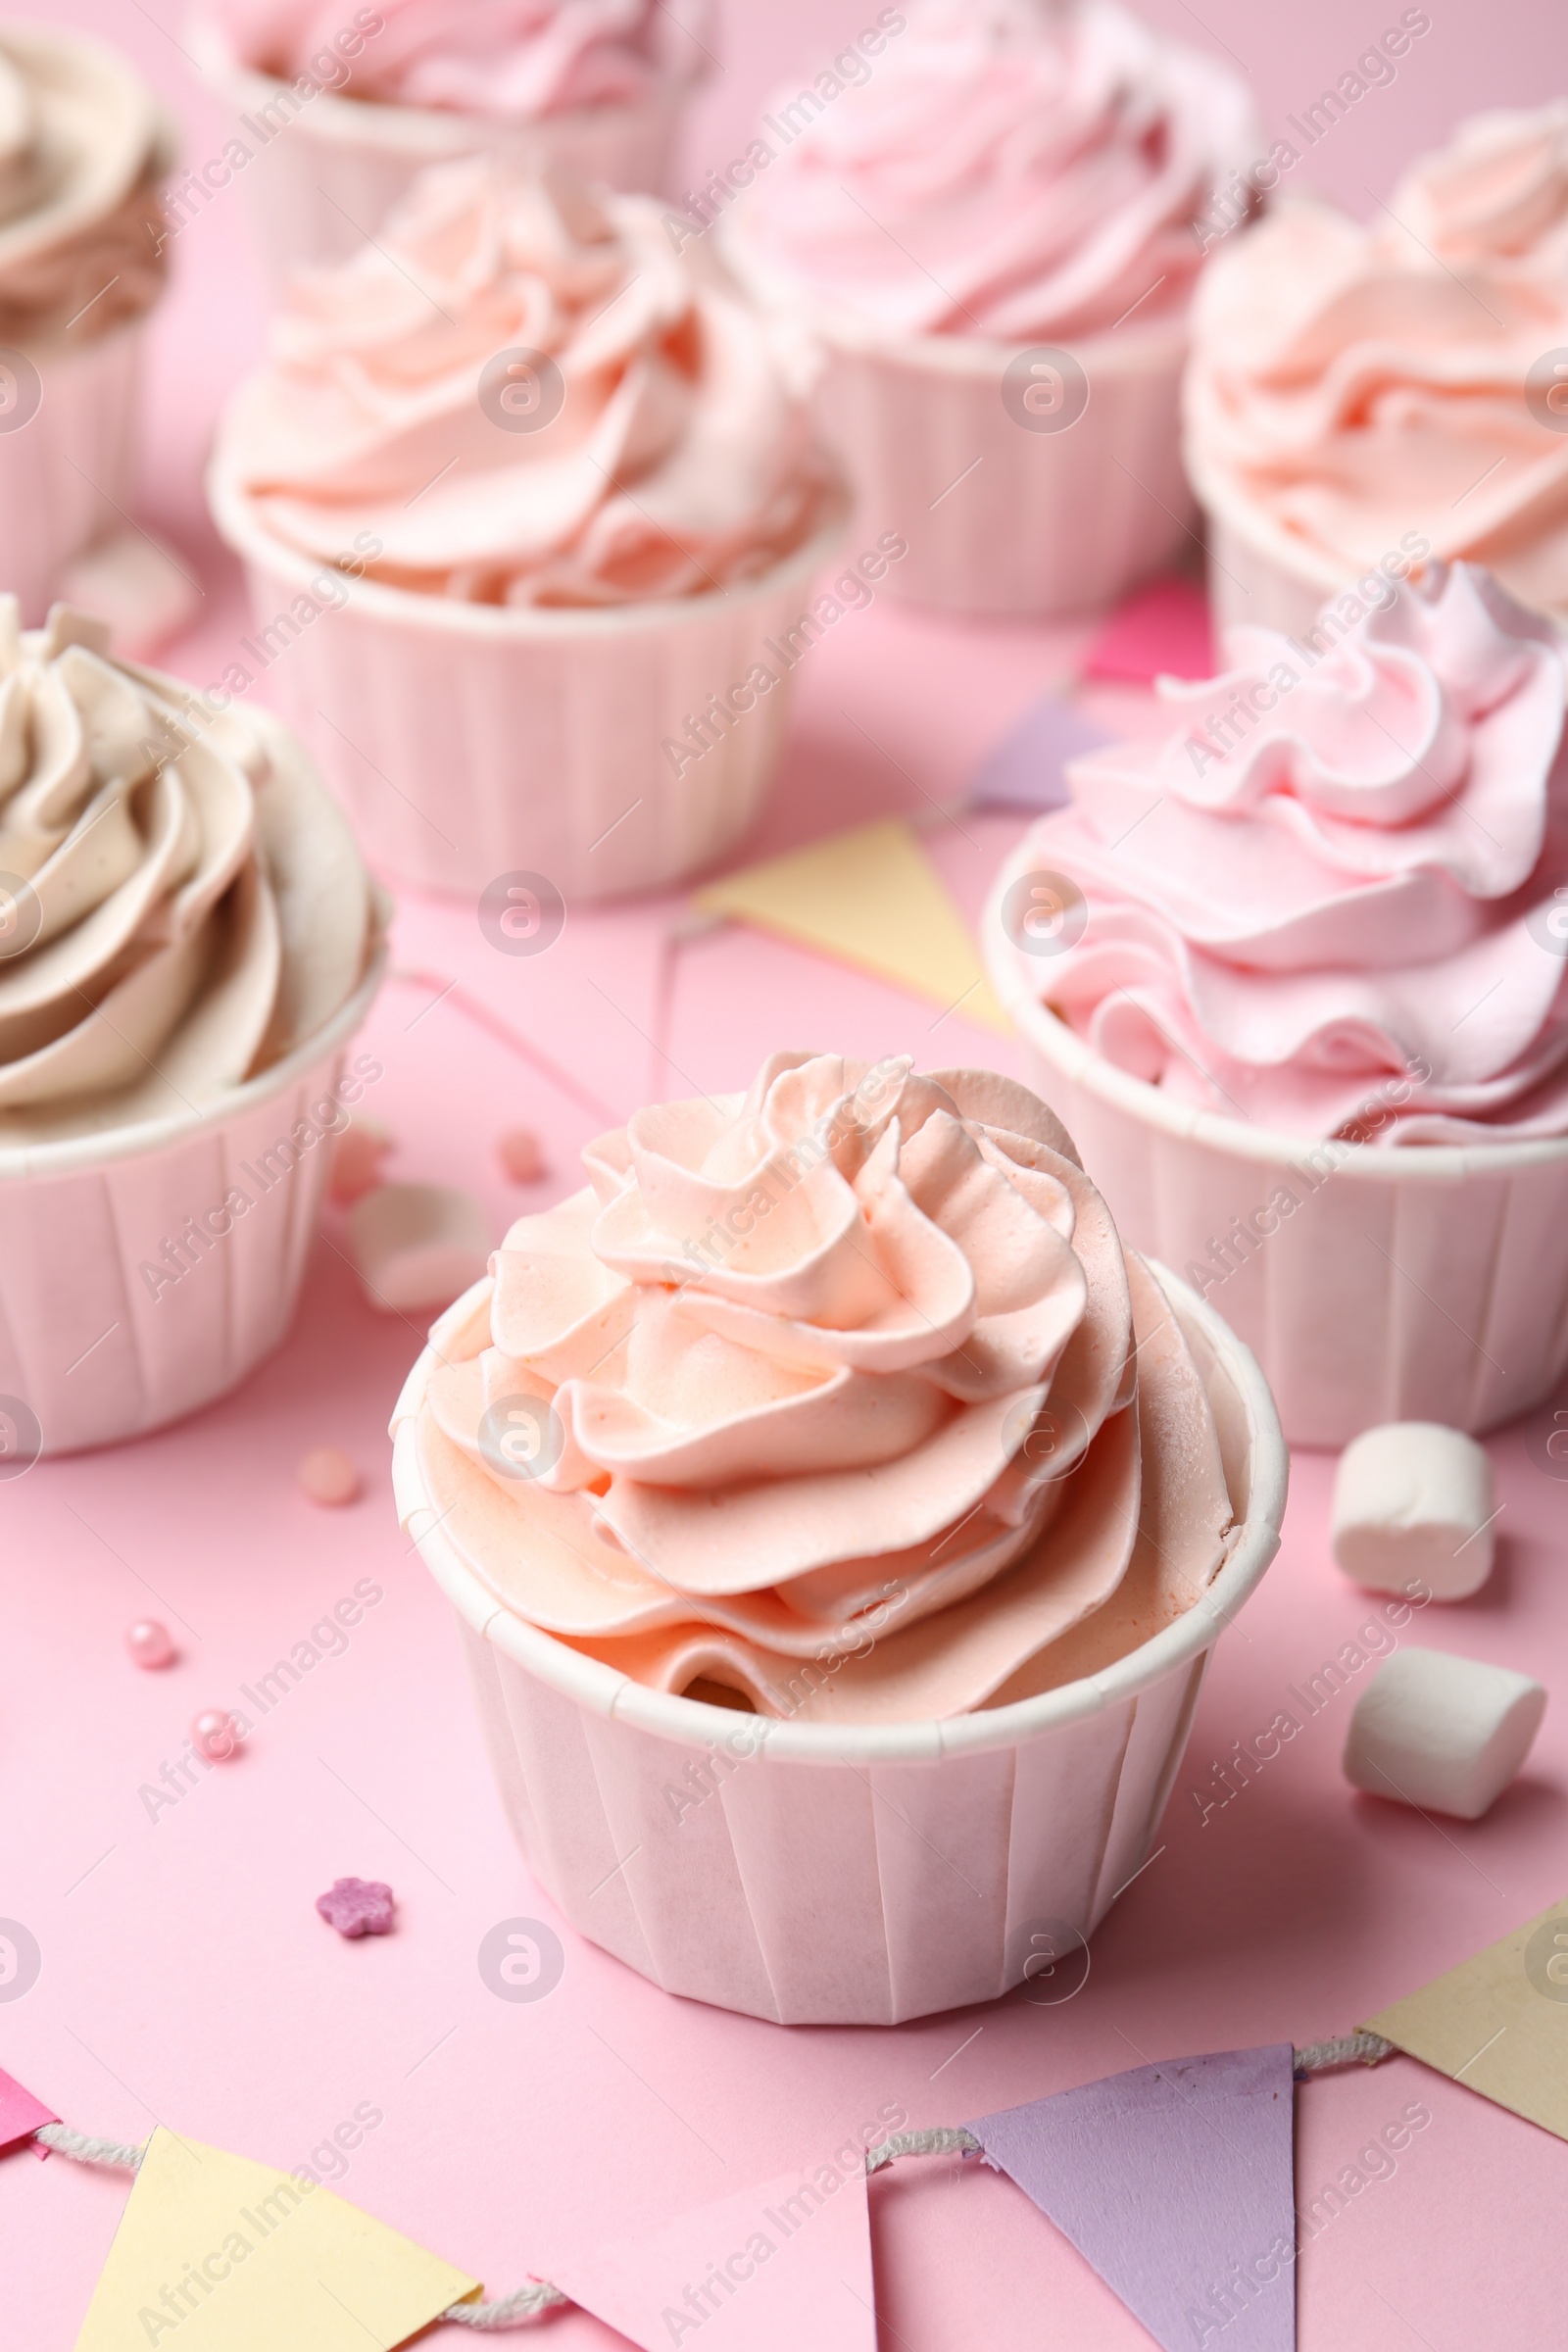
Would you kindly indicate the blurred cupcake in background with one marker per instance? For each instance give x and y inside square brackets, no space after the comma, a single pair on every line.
[84,148]
[560,492]
[1298,973]
[1359,394]
[188,938]
[339,104]
[990,227]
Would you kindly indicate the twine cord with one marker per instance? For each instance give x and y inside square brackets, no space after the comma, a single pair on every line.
[527,2304]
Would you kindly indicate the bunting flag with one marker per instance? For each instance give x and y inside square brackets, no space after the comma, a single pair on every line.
[1499,2021]
[1163,631]
[228,2256]
[1028,769]
[1177,2183]
[873,898]
[20,2113]
[772,2270]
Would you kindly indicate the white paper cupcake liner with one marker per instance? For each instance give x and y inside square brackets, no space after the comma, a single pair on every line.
[845,1874]
[468,741]
[1002,522]
[67,475]
[325,171]
[1427,1283]
[94,1347]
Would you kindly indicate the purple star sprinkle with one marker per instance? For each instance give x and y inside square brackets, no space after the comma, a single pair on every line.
[358,1907]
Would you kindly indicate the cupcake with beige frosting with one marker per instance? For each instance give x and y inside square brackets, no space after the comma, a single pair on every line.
[187,939]
[84,146]
[827,1456]
[1365,395]
[574,470]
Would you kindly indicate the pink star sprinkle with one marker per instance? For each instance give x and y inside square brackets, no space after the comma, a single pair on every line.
[358,1907]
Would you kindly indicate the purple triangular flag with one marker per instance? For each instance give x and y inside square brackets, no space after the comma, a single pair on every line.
[20,2113]
[1178,2183]
[1026,770]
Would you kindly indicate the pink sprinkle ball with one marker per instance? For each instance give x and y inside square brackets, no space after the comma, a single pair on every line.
[216,1734]
[151,1643]
[329,1476]
[521,1157]
[357,1158]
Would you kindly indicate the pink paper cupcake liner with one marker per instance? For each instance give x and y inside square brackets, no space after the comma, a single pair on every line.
[471,741]
[323,172]
[845,1875]
[98,1339]
[1420,1284]
[66,474]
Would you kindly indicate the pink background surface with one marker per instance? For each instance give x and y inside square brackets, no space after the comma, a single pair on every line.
[185,1975]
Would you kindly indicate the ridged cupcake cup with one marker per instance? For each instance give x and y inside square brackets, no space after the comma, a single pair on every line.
[325,169]
[471,741]
[1025,487]
[96,1348]
[1427,1283]
[845,1874]
[67,429]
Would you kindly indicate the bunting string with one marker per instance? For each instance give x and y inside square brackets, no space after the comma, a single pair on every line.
[529,2303]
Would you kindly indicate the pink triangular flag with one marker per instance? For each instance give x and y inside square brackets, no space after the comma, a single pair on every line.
[1162,629]
[1178,2183]
[20,2113]
[771,2270]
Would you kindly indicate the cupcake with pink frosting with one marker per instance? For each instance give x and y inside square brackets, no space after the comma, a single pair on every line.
[555,486]
[836,1410]
[83,147]
[1297,971]
[1361,392]
[992,232]
[369,96]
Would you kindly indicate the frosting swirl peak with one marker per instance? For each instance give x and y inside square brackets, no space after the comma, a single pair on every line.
[839,1371]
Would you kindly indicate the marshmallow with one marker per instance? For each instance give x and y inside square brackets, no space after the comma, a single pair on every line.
[1413,1501]
[357,1158]
[418,1245]
[137,587]
[1444,1733]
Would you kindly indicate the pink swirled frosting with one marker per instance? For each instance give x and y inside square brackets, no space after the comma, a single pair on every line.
[1350,383]
[1007,167]
[84,145]
[514,58]
[678,461]
[1335,899]
[833,1399]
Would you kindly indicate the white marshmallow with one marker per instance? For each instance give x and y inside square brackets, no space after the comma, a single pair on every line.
[1441,1732]
[137,587]
[1415,1500]
[418,1245]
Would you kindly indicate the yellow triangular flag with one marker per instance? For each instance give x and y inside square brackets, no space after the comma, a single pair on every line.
[874,899]
[1499,2023]
[217,2254]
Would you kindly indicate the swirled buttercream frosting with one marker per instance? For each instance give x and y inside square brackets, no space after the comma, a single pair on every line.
[180,903]
[1334,900]
[1351,383]
[642,440]
[84,146]
[514,58]
[1007,167]
[839,1400]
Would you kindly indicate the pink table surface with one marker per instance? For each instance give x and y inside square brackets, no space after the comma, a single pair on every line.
[185,1975]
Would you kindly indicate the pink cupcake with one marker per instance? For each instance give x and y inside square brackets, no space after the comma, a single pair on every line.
[339,106]
[188,941]
[990,225]
[1298,973]
[84,146]
[524,496]
[841,1521]
[1364,397]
